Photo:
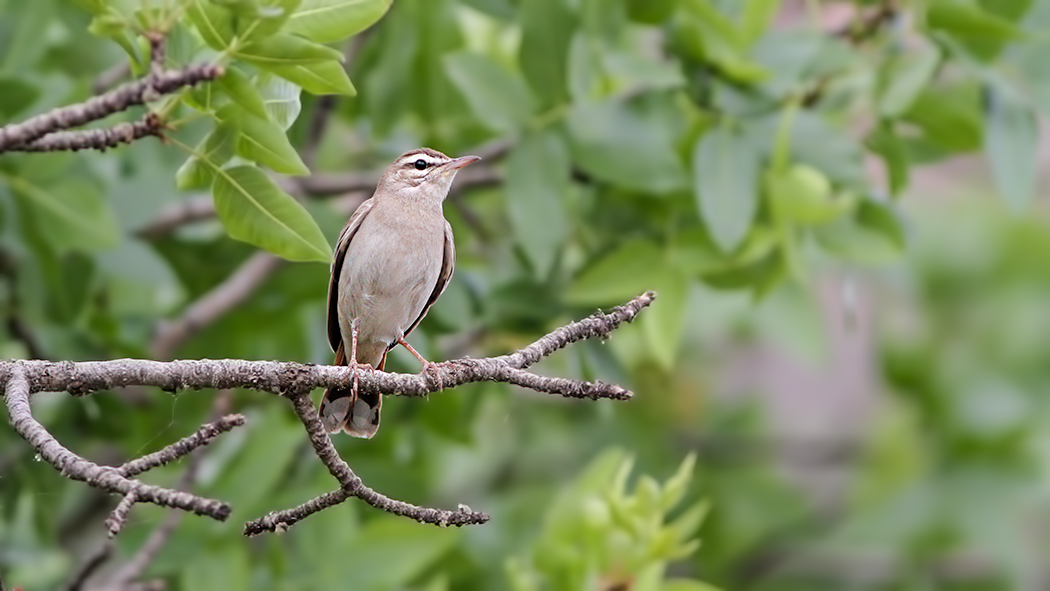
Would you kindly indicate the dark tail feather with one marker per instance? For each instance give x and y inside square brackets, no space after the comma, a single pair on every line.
[364,421]
[336,402]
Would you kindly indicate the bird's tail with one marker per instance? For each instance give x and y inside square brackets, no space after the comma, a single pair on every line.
[354,412]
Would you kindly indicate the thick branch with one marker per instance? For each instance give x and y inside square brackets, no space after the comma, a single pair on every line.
[293,381]
[101,106]
[286,377]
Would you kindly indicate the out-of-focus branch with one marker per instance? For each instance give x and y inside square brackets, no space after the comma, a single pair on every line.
[110,77]
[217,302]
[293,381]
[16,323]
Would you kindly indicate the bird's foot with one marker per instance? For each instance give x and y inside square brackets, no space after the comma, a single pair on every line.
[433,369]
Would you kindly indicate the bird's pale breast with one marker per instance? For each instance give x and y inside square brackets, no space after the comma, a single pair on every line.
[390,270]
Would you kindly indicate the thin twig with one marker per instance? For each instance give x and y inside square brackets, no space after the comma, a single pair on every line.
[101,106]
[156,541]
[351,485]
[204,435]
[110,77]
[95,139]
[116,519]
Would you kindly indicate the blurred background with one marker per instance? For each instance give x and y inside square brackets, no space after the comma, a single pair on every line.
[840,385]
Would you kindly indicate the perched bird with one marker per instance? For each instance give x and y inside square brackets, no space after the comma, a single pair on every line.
[393,260]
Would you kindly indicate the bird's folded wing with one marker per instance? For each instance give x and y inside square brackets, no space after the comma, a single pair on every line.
[448,265]
[335,336]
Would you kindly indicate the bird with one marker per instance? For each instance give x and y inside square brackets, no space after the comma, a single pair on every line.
[392,261]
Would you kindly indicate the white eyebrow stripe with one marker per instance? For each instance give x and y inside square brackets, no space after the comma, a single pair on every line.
[430,160]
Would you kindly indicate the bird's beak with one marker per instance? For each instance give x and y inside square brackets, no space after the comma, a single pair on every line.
[462,161]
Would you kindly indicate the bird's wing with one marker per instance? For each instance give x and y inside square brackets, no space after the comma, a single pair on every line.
[448,265]
[335,336]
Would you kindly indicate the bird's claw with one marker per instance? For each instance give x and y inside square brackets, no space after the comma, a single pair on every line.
[433,368]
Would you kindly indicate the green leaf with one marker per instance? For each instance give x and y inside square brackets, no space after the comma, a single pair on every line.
[725,182]
[499,98]
[802,195]
[281,98]
[664,324]
[677,485]
[239,88]
[263,141]
[872,235]
[537,183]
[17,95]
[286,50]
[949,116]
[965,20]
[325,21]
[212,152]
[547,27]
[824,145]
[214,23]
[1011,141]
[256,211]
[22,46]
[624,273]
[884,141]
[903,77]
[756,18]
[326,77]
[686,585]
[613,143]
[71,214]
[706,35]
[650,12]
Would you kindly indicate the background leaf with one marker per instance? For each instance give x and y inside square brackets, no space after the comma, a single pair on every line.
[537,181]
[325,21]
[1012,141]
[725,168]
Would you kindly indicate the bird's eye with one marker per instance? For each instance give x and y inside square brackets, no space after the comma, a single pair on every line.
[421,164]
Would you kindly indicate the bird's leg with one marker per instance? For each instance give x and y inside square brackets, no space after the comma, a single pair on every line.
[427,365]
[353,353]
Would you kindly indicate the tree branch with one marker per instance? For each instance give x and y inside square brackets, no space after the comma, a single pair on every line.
[208,308]
[95,139]
[101,106]
[184,446]
[351,485]
[293,381]
[72,466]
[135,567]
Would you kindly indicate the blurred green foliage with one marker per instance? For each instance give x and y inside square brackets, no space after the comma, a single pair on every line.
[732,154]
